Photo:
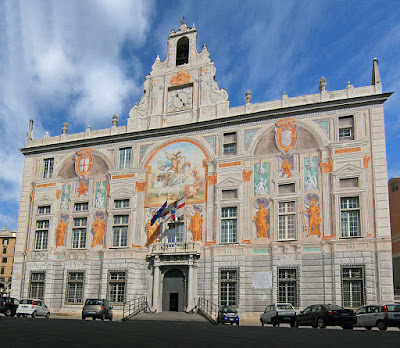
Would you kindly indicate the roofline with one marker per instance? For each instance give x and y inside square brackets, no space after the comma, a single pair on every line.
[216,123]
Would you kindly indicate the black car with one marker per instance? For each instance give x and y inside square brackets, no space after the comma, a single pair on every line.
[228,314]
[8,305]
[320,316]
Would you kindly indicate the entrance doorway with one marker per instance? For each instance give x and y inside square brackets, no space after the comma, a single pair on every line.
[173,298]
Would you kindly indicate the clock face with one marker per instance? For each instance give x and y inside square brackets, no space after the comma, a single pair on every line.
[180,99]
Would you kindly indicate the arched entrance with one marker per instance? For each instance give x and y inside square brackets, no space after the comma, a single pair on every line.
[173,297]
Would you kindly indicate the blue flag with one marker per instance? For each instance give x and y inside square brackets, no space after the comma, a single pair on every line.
[158,214]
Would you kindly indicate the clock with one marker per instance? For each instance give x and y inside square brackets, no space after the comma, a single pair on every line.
[180,99]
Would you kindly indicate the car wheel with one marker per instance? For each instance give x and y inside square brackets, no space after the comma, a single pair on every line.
[24,315]
[18,315]
[274,322]
[34,314]
[237,323]
[321,323]
[103,316]
[347,327]
[368,328]
[8,312]
[262,323]
[296,324]
[48,315]
[93,318]
[111,318]
[292,324]
[382,326]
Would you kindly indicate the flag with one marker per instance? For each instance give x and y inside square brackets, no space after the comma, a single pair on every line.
[158,214]
[180,209]
[167,212]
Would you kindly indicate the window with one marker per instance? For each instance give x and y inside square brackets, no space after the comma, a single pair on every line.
[350,217]
[4,250]
[353,287]
[228,287]
[116,286]
[346,129]
[45,209]
[182,51]
[395,186]
[121,203]
[4,260]
[175,232]
[5,241]
[36,286]
[120,231]
[75,287]
[81,206]
[229,225]
[125,158]
[48,167]
[288,286]
[229,143]
[287,217]
[287,188]
[348,183]
[42,232]
[2,270]
[229,194]
[79,233]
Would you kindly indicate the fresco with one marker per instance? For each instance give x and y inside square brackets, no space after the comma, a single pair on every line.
[261,178]
[176,170]
[261,218]
[311,215]
[285,166]
[65,197]
[310,173]
[100,199]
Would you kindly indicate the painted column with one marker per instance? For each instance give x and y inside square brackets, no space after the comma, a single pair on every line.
[156,284]
[190,304]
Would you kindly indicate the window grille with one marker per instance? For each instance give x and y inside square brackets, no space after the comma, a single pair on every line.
[48,167]
[36,285]
[288,286]
[75,287]
[42,232]
[125,156]
[120,231]
[353,288]
[116,286]
[228,287]
[287,221]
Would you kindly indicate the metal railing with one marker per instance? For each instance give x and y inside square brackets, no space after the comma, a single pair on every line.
[172,247]
[134,307]
[208,309]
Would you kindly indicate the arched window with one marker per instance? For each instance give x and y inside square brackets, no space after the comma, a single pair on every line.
[182,51]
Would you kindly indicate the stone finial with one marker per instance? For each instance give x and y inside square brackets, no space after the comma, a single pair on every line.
[115,120]
[247,97]
[322,84]
[65,128]
[88,128]
[376,77]
[348,85]
[158,58]
[46,135]
[30,130]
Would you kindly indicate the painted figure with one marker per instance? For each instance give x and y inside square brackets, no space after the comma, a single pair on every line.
[82,189]
[286,166]
[262,187]
[311,182]
[261,222]
[99,228]
[196,226]
[60,235]
[152,231]
[315,220]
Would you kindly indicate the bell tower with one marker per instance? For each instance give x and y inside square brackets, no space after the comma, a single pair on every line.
[181,89]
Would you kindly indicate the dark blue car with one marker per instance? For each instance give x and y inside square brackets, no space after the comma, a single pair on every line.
[228,315]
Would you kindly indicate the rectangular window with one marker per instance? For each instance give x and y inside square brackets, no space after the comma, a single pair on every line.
[79,233]
[346,128]
[4,260]
[228,287]
[395,186]
[120,231]
[353,287]
[229,143]
[44,209]
[229,194]
[287,188]
[81,206]
[75,287]
[348,183]
[350,217]
[121,203]
[287,218]
[36,286]
[5,241]
[42,232]
[4,250]
[116,286]
[229,225]
[48,167]
[288,286]
[175,233]
[2,270]
[125,158]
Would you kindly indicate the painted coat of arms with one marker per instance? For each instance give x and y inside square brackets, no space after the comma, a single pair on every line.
[83,162]
[285,134]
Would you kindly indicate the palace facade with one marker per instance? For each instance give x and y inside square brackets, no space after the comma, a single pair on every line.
[279,201]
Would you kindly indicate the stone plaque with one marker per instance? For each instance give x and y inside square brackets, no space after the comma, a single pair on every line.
[262,280]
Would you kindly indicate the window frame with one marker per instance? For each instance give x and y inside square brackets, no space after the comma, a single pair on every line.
[48,168]
[284,236]
[352,281]
[222,281]
[348,210]
[342,137]
[116,298]
[76,283]
[43,233]
[44,207]
[288,281]
[229,144]
[120,227]
[83,207]
[125,157]
[122,201]
[231,237]
[39,292]
[79,230]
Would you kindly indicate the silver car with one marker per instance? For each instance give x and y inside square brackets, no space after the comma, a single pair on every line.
[278,313]
[381,316]
[97,309]
[32,307]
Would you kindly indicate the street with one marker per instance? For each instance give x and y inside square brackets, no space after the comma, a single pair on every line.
[17,332]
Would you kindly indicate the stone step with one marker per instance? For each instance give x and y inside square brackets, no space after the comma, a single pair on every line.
[169,316]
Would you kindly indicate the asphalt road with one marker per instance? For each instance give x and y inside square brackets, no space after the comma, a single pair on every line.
[39,332]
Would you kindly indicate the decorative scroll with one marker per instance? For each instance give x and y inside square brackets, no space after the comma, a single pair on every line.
[115,177]
[366,160]
[181,78]
[140,186]
[211,179]
[348,150]
[246,175]
[46,185]
[326,167]
[83,162]
[230,164]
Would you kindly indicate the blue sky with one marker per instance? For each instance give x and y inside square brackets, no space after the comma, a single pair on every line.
[81,61]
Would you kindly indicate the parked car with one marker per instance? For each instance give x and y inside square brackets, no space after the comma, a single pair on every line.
[320,316]
[228,314]
[278,313]
[97,309]
[8,305]
[32,307]
[381,316]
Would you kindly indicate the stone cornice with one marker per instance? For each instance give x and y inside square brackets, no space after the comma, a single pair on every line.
[327,106]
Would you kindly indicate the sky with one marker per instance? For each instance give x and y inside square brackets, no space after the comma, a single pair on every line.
[81,61]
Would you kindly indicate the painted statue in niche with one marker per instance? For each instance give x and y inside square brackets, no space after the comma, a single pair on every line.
[153,231]
[60,234]
[310,173]
[100,200]
[99,228]
[286,166]
[261,178]
[196,223]
[311,215]
[261,218]
[82,187]
[177,170]
[65,197]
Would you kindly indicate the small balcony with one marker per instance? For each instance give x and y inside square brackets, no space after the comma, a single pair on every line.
[166,248]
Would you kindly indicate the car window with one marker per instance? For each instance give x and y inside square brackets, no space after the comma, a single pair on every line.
[280,306]
[37,303]
[361,310]
[393,307]
[372,309]
[92,302]
[333,307]
[316,308]
[307,310]
[27,301]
